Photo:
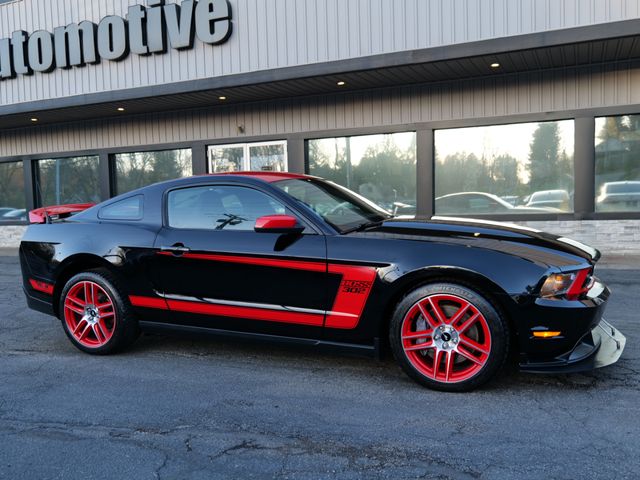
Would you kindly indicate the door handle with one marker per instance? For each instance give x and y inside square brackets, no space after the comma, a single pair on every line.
[177,248]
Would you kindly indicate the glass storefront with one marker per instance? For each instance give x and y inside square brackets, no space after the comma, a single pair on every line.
[617,180]
[67,180]
[381,168]
[138,169]
[264,157]
[12,199]
[505,169]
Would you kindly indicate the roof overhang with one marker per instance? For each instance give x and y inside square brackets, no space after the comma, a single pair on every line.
[580,46]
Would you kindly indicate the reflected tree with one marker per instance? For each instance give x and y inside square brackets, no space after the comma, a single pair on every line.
[11,185]
[135,170]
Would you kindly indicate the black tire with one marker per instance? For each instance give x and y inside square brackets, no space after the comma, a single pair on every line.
[487,326]
[120,329]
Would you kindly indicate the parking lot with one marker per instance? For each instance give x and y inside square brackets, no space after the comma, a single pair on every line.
[206,408]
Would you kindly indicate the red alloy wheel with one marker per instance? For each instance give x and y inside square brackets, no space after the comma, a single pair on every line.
[446,338]
[90,314]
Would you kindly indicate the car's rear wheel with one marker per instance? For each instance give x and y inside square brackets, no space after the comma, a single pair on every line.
[95,315]
[448,337]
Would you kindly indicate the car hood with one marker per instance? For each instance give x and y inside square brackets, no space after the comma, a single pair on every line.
[483,233]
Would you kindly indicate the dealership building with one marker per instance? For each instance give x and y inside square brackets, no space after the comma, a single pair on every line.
[525,111]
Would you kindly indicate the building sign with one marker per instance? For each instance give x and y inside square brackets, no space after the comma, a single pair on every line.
[146,30]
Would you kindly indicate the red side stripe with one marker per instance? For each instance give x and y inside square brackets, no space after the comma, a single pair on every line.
[40,286]
[352,296]
[148,302]
[264,262]
[229,311]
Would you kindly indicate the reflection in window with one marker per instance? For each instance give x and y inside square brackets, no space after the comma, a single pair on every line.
[262,157]
[502,169]
[12,200]
[220,208]
[68,180]
[138,169]
[127,209]
[618,163]
[381,168]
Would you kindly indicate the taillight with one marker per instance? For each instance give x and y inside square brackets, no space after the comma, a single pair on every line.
[570,285]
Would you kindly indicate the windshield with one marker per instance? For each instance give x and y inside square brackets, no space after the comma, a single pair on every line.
[341,208]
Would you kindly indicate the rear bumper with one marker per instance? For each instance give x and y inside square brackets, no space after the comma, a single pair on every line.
[38,304]
[602,346]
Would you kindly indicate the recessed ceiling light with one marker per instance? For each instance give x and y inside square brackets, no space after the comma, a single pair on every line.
[222,97]
[341,83]
[121,109]
[34,119]
[495,65]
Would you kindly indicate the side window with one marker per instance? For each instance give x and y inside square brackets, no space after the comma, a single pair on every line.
[127,209]
[220,207]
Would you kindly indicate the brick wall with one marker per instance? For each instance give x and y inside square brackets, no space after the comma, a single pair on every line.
[612,237]
[10,235]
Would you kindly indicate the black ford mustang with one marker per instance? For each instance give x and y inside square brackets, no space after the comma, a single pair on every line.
[297,259]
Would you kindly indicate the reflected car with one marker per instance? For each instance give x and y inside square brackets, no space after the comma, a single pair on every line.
[469,203]
[294,259]
[15,215]
[557,199]
[619,196]
[4,210]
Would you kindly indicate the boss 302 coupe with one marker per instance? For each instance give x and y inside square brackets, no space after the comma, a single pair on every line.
[298,259]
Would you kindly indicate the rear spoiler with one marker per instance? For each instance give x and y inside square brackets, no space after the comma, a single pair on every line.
[56,212]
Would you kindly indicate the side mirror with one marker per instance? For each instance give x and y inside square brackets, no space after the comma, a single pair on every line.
[278,224]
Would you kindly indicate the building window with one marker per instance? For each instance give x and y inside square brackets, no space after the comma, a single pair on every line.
[381,168]
[264,156]
[138,169]
[618,163]
[67,180]
[505,169]
[12,199]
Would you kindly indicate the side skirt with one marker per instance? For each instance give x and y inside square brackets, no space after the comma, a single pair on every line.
[338,347]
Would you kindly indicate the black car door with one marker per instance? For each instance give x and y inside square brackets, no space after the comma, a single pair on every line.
[215,271]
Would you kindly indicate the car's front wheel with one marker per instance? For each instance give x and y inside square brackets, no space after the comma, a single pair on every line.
[95,315]
[448,337]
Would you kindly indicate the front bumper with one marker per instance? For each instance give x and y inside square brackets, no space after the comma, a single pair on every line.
[602,346]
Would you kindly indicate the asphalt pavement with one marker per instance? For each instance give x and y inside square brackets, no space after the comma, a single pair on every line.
[205,408]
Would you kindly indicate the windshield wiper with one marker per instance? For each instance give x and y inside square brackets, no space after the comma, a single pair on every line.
[364,226]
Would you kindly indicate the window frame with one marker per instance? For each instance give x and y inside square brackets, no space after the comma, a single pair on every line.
[35,165]
[246,156]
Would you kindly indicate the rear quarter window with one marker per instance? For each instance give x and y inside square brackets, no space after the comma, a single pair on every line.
[128,209]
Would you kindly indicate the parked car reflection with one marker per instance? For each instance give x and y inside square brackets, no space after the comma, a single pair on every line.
[14,215]
[558,199]
[482,203]
[617,196]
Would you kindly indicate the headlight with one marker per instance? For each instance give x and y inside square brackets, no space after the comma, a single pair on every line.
[570,285]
